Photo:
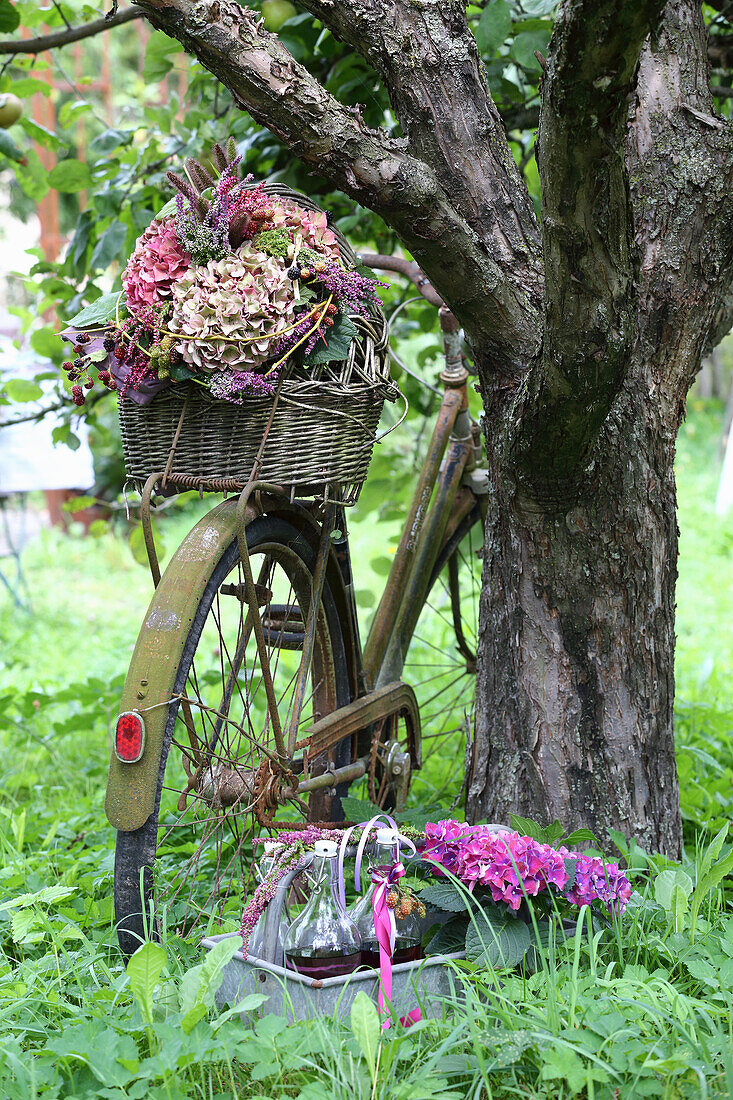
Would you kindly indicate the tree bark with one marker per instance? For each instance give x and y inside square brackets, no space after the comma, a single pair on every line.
[576,661]
[576,671]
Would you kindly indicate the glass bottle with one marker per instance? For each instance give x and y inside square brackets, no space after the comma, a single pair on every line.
[257,940]
[323,942]
[408,946]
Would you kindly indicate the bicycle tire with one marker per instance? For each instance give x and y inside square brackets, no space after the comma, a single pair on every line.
[138,854]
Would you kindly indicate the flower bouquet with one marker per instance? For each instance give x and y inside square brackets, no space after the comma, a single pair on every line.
[243,317]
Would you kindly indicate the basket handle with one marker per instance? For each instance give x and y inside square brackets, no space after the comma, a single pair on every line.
[273,912]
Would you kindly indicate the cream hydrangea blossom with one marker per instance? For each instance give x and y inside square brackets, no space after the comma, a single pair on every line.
[247,297]
[310,224]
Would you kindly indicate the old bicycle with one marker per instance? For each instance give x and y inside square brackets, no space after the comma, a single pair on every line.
[250,699]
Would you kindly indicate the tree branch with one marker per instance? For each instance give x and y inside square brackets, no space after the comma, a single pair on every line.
[680,156]
[377,171]
[587,231]
[71,34]
[428,59]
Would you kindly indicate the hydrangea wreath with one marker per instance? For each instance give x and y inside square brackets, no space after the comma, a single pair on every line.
[488,877]
[225,286]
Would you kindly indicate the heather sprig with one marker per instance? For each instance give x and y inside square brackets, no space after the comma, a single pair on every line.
[295,845]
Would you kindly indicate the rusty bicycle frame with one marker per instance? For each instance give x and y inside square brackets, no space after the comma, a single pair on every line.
[448,489]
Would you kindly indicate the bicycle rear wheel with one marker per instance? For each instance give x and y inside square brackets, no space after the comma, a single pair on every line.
[189,865]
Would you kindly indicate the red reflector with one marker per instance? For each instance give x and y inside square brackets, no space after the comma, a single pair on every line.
[129,737]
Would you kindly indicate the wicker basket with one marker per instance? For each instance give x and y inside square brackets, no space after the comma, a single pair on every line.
[319,442]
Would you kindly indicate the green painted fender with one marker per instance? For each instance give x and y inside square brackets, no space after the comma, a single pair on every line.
[131,788]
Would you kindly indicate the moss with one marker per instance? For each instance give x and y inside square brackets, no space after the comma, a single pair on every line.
[272,241]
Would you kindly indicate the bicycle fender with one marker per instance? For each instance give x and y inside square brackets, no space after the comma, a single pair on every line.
[132,788]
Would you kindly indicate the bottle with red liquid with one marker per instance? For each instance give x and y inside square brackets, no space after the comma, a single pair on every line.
[408,947]
[323,942]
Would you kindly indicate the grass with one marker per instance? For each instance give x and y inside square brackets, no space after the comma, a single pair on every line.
[642,1008]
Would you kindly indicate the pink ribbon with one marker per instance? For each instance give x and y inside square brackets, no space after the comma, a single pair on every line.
[385,929]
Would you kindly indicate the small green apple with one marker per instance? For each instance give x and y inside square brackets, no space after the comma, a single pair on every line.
[276,12]
[11,108]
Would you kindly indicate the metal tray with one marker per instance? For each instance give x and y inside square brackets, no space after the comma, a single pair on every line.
[422,984]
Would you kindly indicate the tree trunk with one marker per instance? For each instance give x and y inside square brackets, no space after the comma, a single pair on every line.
[576,671]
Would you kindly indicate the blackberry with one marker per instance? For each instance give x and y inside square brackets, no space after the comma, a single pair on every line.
[329,217]
[294,272]
[112,385]
[78,363]
[104,377]
[76,391]
[109,343]
[82,338]
[73,375]
[89,384]
[328,321]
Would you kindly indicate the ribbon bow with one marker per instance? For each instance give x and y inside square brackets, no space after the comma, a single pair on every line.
[385,929]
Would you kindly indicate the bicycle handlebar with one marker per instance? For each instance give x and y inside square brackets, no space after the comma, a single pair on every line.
[408,268]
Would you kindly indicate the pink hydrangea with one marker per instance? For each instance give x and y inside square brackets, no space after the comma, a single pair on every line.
[510,865]
[443,843]
[156,264]
[596,880]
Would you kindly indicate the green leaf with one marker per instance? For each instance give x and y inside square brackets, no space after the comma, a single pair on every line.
[200,984]
[357,810]
[496,941]
[444,896]
[46,342]
[338,342]
[180,372]
[33,177]
[100,310]
[581,836]
[524,45]
[526,827]
[158,55]
[449,938]
[250,1003]
[79,504]
[672,889]
[494,26]
[667,882]
[137,545]
[539,7]
[366,1029]
[144,970]
[98,356]
[22,390]
[710,875]
[69,176]
[9,149]
[109,246]
[9,17]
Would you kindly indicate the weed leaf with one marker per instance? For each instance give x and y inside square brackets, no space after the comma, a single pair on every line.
[144,970]
[365,1028]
